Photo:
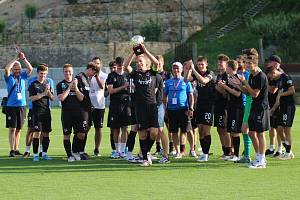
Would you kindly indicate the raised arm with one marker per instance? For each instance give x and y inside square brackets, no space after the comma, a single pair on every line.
[127,63]
[9,66]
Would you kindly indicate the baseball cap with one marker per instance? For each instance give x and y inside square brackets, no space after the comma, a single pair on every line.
[275,58]
[178,64]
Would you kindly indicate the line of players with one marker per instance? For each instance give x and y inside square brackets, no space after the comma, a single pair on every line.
[237,99]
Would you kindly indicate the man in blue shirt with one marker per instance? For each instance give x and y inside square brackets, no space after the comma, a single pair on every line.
[15,113]
[179,101]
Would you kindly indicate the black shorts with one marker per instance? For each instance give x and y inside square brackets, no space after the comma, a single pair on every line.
[98,117]
[133,117]
[259,120]
[204,114]
[178,119]
[15,117]
[193,121]
[286,115]
[235,120]
[274,119]
[42,121]
[30,123]
[220,117]
[146,116]
[76,119]
[119,115]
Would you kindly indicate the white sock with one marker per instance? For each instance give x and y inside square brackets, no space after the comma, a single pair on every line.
[271,147]
[117,147]
[27,149]
[122,147]
[280,149]
[41,148]
[35,154]
[287,143]
[44,153]
[262,158]
[257,156]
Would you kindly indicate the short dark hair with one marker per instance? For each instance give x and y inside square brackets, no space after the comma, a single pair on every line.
[96,58]
[111,64]
[42,68]
[201,58]
[93,66]
[119,61]
[270,69]
[275,58]
[233,64]
[250,52]
[223,57]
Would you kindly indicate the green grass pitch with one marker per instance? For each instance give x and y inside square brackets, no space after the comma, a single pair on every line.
[104,178]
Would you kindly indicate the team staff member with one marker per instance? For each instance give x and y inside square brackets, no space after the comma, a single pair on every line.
[41,93]
[98,102]
[16,102]
[30,125]
[119,108]
[204,108]
[179,101]
[220,112]
[146,82]
[259,114]
[285,101]
[235,107]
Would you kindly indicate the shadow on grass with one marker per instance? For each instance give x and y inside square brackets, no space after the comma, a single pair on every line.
[102,164]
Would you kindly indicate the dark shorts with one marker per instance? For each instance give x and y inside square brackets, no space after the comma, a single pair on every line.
[98,117]
[15,117]
[220,117]
[286,115]
[76,119]
[42,121]
[193,121]
[146,116]
[235,120]
[30,123]
[274,119]
[204,114]
[259,120]
[178,119]
[119,115]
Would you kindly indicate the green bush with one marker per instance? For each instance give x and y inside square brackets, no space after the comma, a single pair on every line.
[151,30]
[30,10]
[233,6]
[2,25]
[72,1]
[279,28]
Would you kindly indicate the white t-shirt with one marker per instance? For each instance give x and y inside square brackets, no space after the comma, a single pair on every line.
[97,94]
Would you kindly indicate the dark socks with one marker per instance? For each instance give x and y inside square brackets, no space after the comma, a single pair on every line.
[67,145]
[236,145]
[112,142]
[35,145]
[158,147]
[75,144]
[224,150]
[150,143]
[131,141]
[182,148]
[143,145]
[288,148]
[45,143]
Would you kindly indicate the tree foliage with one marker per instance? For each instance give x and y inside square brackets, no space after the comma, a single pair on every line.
[30,10]
[2,25]
[151,30]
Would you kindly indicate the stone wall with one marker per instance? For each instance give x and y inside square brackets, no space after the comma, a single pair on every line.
[77,54]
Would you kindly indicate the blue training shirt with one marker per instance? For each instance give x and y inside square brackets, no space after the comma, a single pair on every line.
[246,74]
[31,80]
[179,89]
[18,95]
